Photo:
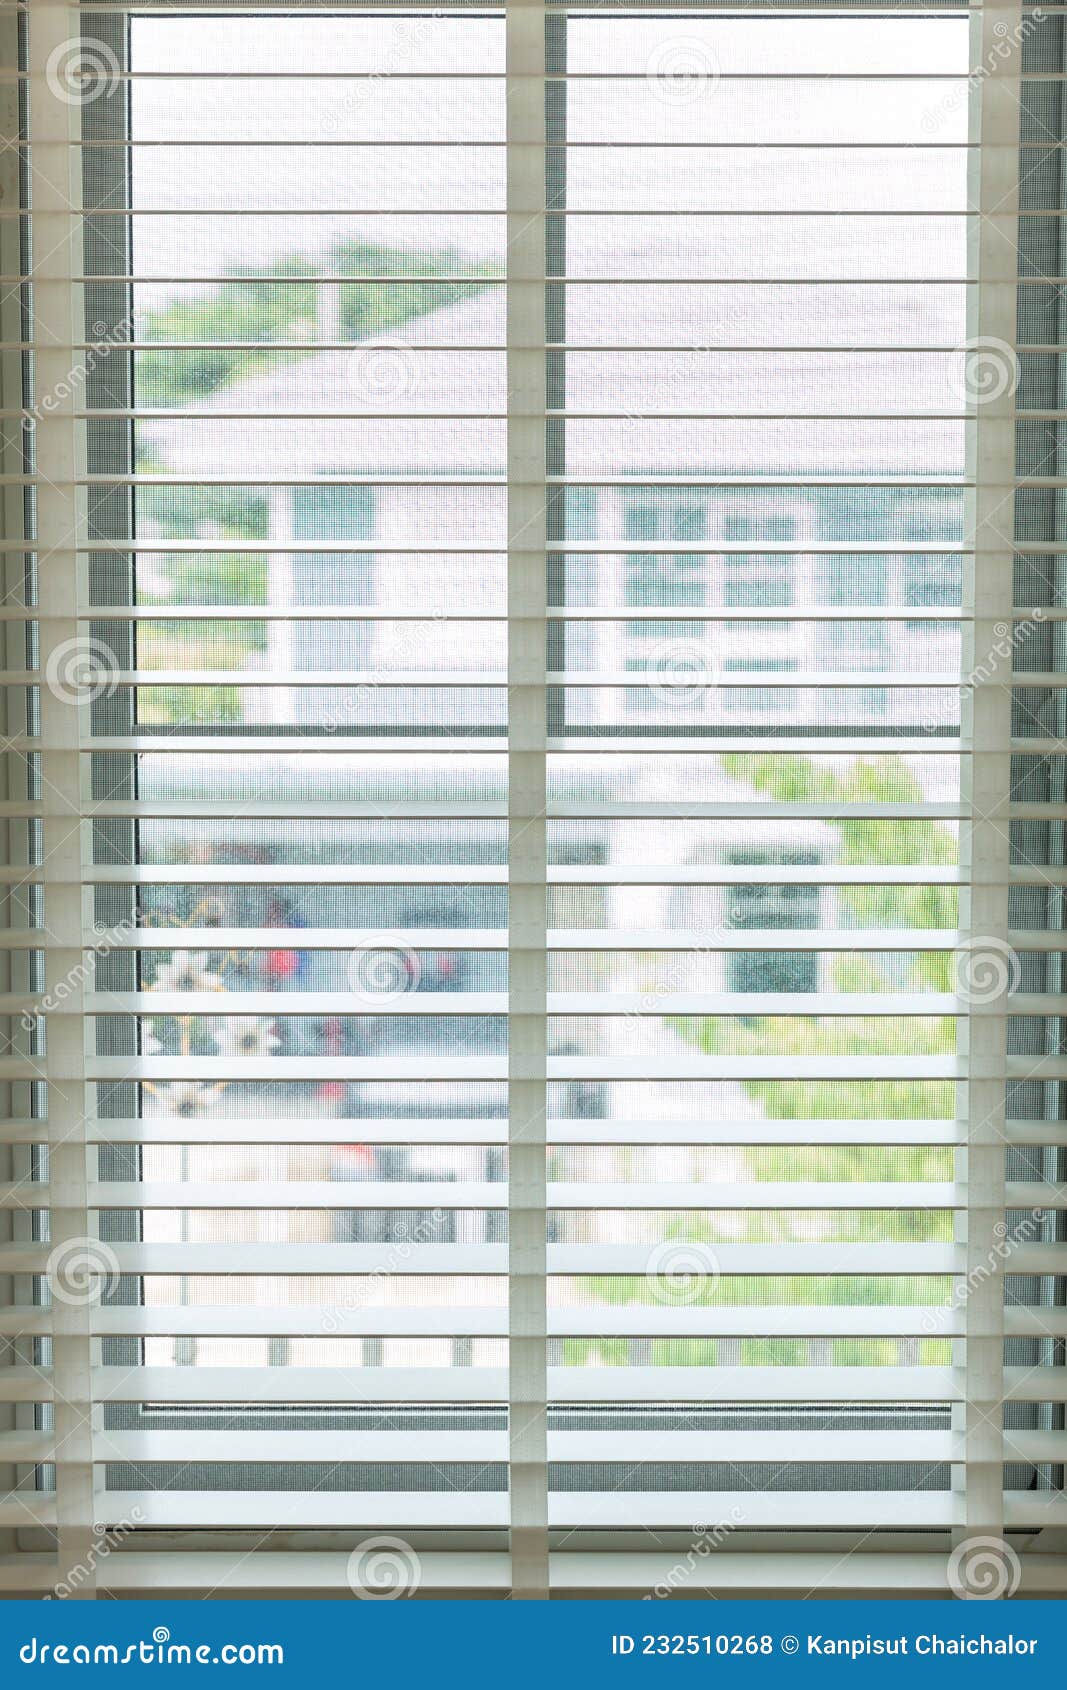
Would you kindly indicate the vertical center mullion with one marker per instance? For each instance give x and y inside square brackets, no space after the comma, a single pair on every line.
[527,468]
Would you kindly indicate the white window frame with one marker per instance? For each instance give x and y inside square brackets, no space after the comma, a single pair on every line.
[528,1569]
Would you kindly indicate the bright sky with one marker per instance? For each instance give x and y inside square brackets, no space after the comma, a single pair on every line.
[433,179]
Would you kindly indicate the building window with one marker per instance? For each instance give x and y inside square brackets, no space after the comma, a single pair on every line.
[427,913]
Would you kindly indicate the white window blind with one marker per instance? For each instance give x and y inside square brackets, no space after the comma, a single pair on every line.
[534,799]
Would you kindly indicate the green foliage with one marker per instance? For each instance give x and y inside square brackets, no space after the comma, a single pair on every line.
[805,1226]
[869,780]
[259,313]
[234,513]
[792,1290]
[190,707]
[752,1352]
[222,578]
[801,780]
[286,308]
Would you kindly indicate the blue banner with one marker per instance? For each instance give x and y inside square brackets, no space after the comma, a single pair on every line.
[558,1644]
